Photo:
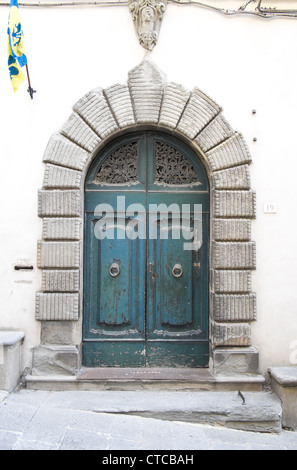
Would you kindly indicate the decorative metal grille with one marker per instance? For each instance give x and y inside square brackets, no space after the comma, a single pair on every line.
[120,167]
[172,167]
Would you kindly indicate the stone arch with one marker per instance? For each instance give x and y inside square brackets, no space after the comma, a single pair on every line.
[147,99]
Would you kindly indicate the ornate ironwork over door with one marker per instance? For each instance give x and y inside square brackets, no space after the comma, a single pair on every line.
[146,255]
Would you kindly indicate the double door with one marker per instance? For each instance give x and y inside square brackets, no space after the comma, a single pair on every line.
[146,256]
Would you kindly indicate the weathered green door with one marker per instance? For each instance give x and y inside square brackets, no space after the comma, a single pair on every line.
[146,255]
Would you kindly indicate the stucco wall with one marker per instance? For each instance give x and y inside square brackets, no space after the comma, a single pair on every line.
[243,63]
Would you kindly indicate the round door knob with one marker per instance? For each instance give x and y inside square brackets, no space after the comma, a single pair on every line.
[177,270]
[114,270]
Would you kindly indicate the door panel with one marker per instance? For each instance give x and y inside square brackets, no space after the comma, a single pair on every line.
[172,303]
[114,307]
[177,354]
[115,314]
[145,297]
[177,306]
[118,281]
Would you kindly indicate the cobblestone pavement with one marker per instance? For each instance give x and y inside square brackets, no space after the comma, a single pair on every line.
[42,420]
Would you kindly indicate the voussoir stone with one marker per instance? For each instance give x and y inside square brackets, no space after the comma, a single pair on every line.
[119,100]
[146,85]
[77,130]
[214,133]
[62,151]
[94,109]
[59,177]
[231,152]
[199,111]
[174,102]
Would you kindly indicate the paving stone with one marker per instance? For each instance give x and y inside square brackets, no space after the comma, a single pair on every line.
[156,435]
[228,446]
[190,441]
[3,395]
[8,439]
[48,425]
[124,444]
[75,439]
[15,416]
[29,397]
[37,420]
[23,444]
[93,422]
[129,427]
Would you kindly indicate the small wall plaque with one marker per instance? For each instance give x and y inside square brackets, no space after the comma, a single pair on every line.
[270,208]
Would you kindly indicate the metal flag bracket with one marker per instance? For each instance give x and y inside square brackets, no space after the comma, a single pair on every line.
[29,89]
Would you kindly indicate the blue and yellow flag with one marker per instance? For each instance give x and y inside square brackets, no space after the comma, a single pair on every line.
[15,46]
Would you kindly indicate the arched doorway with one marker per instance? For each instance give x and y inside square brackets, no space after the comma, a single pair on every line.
[147,101]
[146,255]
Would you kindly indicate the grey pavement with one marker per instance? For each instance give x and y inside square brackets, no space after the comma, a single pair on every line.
[47,420]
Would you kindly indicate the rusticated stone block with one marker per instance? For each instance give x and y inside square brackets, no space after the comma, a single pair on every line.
[231,334]
[94,109]
[119,99]
[240,255]
[54,306]
[60,281]
[62,151]
[214,133]
[232,178]
[199,111]
[59,332]
[234,204]
[174,102]
[146,84]
[55,360]
[62,228]
[231,229]
[58,255]
[59,203]
[59,177]
[232,281]
[228,307]
[231,152]
[77,130]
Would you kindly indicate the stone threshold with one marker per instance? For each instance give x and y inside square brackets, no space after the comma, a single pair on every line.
[147,378]
[145,373]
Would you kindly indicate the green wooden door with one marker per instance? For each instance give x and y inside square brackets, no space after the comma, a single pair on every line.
[146,255]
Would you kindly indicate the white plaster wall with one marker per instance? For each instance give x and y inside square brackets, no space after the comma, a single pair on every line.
[243,63]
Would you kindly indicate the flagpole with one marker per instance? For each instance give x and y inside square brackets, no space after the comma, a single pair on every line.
[30,89]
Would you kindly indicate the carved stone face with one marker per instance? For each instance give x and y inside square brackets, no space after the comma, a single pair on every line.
[147,15]
[148,39]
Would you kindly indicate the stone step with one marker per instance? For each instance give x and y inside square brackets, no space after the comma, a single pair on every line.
[10,359]
[110,378]
[250,411]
